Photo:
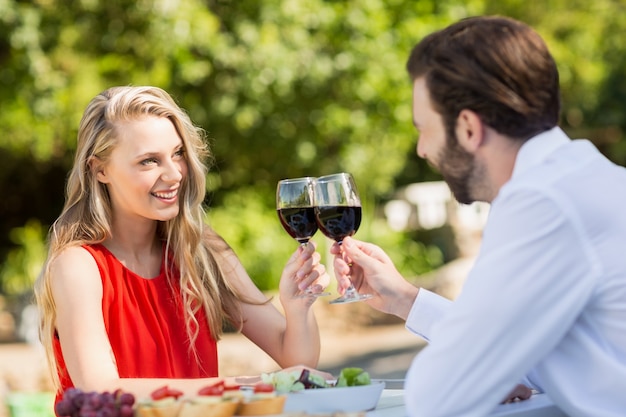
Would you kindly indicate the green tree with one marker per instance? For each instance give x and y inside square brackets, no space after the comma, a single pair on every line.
[284,88]
[23,263]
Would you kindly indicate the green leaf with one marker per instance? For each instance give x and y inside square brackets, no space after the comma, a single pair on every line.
[350,377]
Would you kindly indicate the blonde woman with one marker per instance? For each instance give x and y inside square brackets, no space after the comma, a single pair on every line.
[136,287]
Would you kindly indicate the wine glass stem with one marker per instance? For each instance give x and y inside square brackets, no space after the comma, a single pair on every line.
[351,291]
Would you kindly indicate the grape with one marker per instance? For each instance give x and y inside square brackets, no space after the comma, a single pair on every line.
[127,399]
[94,401]
[77,403]
[78,399]
[108,398]
[126,410]
[64,408]
[108,411]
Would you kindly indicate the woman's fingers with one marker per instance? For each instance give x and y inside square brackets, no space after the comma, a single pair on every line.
[304,270]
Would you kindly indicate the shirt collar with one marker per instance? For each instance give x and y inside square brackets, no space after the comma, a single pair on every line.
[537,148]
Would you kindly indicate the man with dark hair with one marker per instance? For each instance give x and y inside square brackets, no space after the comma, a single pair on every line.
[545,303]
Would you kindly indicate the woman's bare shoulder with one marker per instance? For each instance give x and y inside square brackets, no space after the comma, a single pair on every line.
[72,254]
[73,262]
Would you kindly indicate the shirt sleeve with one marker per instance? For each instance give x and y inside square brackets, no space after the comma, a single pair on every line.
[531,280]
[427,309]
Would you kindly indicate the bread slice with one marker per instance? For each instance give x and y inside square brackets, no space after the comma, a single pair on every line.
[156,409]
[193,408]
[262,407]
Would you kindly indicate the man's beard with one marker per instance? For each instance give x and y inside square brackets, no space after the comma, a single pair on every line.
[459,170]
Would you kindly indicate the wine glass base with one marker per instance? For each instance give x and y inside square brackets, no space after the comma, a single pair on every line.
[313,291]
[345,299]
[306,294]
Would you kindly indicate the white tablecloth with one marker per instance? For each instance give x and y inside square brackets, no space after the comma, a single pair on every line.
[391,404]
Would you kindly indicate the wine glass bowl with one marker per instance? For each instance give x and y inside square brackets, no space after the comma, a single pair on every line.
[338,212]
[338,206]
[295,205]
[338,222]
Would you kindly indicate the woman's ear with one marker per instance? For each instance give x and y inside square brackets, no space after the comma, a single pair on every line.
[469,130]
[97,168]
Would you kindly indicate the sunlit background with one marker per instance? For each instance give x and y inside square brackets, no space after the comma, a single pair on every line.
[283,89]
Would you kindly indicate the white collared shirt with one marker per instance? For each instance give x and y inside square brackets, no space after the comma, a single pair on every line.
[546,298]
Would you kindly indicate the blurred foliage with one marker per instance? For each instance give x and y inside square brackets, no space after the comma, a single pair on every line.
[284,88]
[23,263]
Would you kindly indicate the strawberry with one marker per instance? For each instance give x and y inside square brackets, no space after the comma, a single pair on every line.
[263,387]
[164,392]
[231,387]
[217,389]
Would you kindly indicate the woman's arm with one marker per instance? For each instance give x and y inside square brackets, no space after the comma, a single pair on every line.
[77,291]
[293,338]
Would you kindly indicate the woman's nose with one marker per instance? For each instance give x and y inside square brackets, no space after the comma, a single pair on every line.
[173,171]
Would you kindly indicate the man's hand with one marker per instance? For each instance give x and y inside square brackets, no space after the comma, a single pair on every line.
[520,392]
[372,272]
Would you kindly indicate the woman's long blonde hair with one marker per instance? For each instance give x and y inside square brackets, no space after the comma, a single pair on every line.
[86,216]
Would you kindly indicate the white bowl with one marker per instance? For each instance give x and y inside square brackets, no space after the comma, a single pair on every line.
[335,399]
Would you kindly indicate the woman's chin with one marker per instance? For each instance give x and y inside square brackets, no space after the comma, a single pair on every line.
[165,215]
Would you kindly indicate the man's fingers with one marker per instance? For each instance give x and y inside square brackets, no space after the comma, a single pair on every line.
[520,392]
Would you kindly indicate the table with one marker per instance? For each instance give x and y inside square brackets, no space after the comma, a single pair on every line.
[391,404]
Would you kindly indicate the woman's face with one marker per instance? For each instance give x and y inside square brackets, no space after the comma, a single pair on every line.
[145,170]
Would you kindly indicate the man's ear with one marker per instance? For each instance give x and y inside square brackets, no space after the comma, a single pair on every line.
[97,168]
[469,130]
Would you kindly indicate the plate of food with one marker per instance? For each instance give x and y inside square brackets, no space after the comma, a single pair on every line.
[353,391]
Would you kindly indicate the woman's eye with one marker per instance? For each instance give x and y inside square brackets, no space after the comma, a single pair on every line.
[149,161]
[179,152]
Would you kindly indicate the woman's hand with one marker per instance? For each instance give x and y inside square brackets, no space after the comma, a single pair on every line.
[303,270]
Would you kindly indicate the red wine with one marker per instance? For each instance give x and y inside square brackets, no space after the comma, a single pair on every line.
[337,222]
[299,222]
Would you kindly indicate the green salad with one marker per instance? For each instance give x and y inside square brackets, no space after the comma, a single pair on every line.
[285,382]
[351,377]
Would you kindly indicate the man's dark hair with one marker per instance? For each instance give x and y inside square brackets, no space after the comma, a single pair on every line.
[495,66]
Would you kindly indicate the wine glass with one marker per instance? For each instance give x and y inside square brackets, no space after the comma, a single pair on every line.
[338,214]
[295,204]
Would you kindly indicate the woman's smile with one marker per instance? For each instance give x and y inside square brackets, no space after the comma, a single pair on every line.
[166,196]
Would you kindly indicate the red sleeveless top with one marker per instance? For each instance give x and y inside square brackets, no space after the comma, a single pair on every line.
[146,327]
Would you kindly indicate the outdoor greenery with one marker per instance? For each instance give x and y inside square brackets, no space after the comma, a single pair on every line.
[283,88]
